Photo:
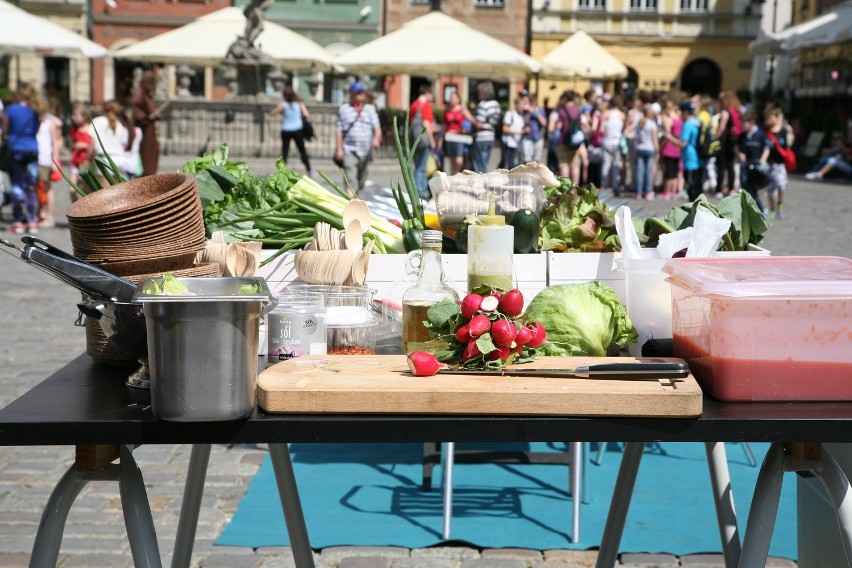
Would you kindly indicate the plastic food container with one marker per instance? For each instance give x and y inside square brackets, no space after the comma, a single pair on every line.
[351,320]
[765,329]
[202,349]
[461,195]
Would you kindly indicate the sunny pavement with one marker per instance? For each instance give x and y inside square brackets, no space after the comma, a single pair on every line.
[38,315]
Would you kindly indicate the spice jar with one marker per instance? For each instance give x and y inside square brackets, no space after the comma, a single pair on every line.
[297,326]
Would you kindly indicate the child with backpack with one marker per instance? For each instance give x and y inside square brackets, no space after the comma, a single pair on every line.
[781,138]
[571,150]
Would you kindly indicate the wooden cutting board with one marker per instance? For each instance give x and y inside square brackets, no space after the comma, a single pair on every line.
[382,384]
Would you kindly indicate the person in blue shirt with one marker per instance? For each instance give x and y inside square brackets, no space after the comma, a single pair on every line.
[688,143]
[20,123]
[753,148]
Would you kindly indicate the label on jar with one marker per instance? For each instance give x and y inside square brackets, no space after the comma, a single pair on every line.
[291,334]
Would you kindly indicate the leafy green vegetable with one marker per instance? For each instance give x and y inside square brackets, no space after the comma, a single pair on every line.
[279,210]
[581,319]
[748,225]
[168,285]
[249,289]
[574,219]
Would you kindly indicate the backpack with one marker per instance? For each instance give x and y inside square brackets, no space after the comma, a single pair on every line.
[572,131]
[787,154]
[415,127]
[707,147]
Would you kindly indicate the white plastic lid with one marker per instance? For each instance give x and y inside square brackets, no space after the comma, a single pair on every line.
[797,276]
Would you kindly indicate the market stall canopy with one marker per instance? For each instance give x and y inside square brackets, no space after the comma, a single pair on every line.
[22,32]
[436,45]
[829,28]
[581,57]
[206,41]
[832,28]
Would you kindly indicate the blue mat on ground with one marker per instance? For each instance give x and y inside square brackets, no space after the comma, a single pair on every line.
[370,495]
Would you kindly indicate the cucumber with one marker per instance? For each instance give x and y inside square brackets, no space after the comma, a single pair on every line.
[526,224]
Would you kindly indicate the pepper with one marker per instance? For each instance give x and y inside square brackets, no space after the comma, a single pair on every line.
[411,238]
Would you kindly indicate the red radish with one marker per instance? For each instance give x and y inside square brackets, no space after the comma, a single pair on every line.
[470,305]
[502,353]
[496,292]
[463,334]
[478,325]
[423,364]
[503,332]
[512,303]
[524,335]
[539,335]
[489,303]
[471,351]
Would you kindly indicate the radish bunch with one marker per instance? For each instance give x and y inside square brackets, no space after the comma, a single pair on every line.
[489,330]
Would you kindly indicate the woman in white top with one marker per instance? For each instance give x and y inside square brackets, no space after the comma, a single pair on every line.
[49,139]
[293,111]
[647,150]
[613,127]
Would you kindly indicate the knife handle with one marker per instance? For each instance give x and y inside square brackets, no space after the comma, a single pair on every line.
[635,370]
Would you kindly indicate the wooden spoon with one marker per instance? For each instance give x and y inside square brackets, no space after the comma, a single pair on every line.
[354,236]
[357,210]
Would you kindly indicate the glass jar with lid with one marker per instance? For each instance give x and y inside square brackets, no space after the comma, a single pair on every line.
[296,326]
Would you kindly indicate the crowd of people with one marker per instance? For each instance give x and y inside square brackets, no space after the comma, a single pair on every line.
[34,136]
[657,146]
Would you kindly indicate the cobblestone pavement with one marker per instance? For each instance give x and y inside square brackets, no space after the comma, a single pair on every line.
[38,313]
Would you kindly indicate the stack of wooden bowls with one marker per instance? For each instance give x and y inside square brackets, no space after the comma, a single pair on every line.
[139,229]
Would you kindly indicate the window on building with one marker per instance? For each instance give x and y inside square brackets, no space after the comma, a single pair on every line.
[643,5]
[693,5]
[591,4]
[489,3]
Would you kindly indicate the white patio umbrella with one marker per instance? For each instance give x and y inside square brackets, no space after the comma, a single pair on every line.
[206,41]
[22,32]
[581,57]
[436,45]
[831,28]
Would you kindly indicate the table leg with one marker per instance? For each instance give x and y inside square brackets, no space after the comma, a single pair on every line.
[764,508]
[137,512]
[199,458]
[621,495]
[447,488]
[52,526]
[837,485]
[293,517]
[723,498]
[576,488]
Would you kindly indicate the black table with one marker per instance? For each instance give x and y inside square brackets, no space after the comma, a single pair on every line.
[87,403]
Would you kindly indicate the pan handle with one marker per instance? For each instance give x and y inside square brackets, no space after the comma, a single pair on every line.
[268,307]
[47,247]
[89,279]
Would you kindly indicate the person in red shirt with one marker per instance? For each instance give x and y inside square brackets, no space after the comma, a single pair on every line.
[421,119]
[81,142]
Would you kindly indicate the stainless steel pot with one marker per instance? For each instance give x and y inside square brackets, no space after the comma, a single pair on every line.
[203,348]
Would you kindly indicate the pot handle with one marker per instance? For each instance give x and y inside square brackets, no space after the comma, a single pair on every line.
[96,309]
[268,307]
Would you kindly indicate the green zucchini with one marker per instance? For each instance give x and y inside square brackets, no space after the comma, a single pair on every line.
[526,224]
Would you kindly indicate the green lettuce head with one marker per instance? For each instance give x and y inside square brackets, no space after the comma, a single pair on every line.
[581,319]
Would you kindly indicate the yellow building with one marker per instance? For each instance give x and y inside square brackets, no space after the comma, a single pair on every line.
[698,46]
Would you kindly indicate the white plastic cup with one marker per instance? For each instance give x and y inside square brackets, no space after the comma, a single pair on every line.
[649,298]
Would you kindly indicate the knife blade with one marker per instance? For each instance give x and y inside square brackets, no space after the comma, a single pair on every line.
[621,371]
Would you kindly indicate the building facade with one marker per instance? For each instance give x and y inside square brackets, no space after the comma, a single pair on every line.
[698,46]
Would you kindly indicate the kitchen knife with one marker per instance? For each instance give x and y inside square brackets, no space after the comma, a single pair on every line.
[623,371]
